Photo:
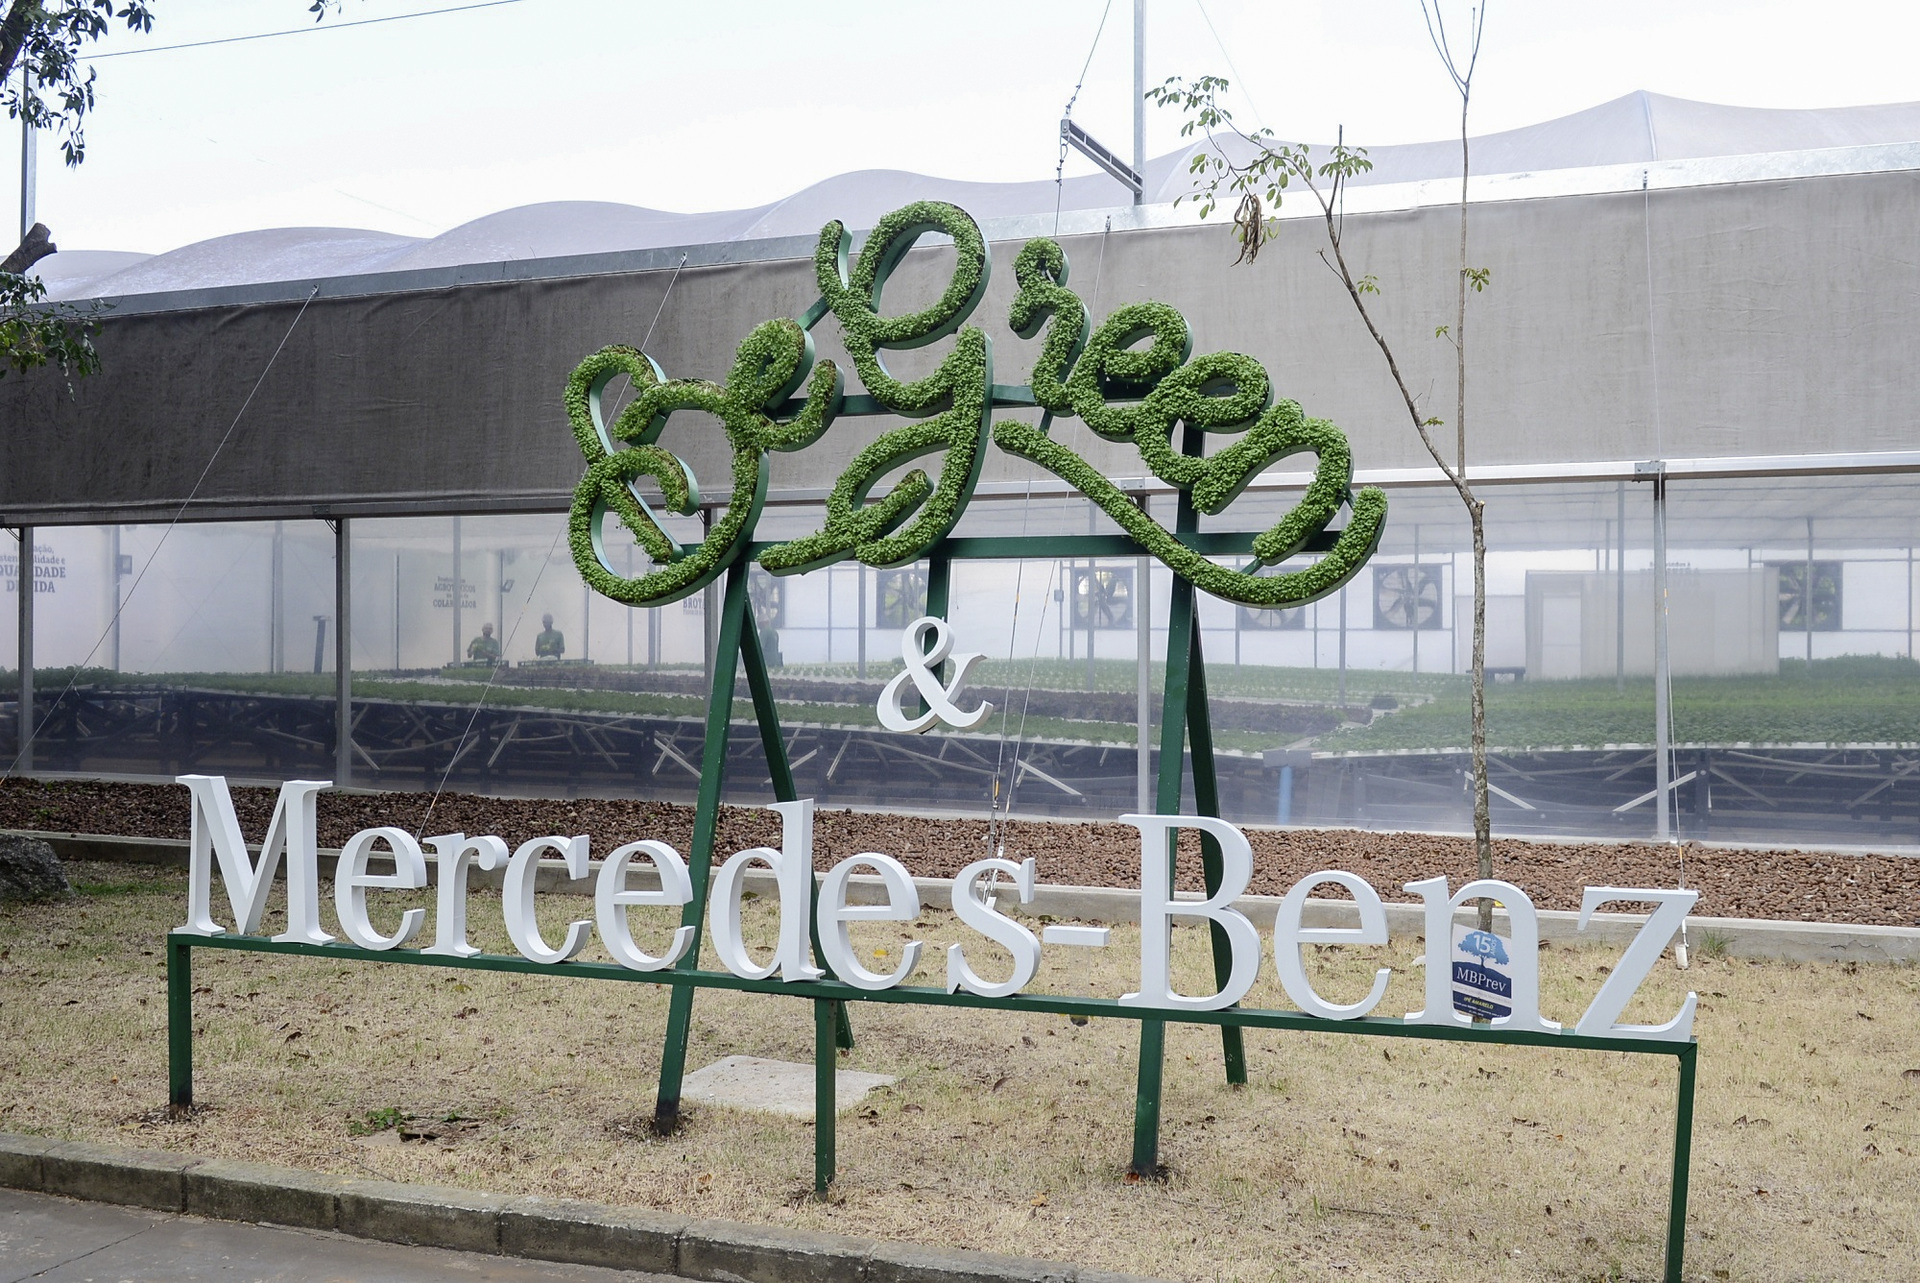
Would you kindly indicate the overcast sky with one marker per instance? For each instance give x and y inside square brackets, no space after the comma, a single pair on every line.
[416,126]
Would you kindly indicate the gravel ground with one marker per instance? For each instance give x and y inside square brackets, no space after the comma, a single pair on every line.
[1785,884]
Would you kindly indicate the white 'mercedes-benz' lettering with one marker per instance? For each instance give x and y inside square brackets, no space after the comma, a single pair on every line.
[612,899]
[1661,926]
[902,905]
[450,851]
[1158,908]
[215,832]
[1289,935]
[792,867]
[973,910]
[516,898]
[217,840]
[1525,953]
[351,882]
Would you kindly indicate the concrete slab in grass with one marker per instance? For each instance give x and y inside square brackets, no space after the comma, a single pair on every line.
[732,1253]
[231,1191]
[461,1219]
[773,1086]
[579,1233]
[911,1263]
[20,1160]
[108,1174]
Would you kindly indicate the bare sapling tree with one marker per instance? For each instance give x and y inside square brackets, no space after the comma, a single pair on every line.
[1258,167]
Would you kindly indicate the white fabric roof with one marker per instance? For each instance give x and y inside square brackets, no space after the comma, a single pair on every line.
[1637,127]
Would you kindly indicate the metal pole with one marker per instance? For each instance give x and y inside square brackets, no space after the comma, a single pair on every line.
[825,1065]
[1416,597]
[457,652]
[24,585]
[629,610]
[396,612]
[1140,98]
[1343,648]
[1682,1164]
[343,652]
[709,612]
[1806,611]
[277,641]
[1143,718]
[116,597]
[1620,590]
[29,168]
[179,1023]
[861,653]
[1662,768]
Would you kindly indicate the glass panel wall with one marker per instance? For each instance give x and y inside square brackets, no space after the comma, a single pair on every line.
[1796,698]
[165,649]
[482,662]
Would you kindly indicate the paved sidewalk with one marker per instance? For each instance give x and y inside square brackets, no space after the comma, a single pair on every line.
[61,1240]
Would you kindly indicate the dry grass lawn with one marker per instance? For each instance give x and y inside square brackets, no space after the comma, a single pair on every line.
[1346,1158]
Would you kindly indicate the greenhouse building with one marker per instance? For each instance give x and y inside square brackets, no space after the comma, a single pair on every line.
[312,517]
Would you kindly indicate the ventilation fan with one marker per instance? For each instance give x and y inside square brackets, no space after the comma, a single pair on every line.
[1406,597]
[1794,608]
[1102,598]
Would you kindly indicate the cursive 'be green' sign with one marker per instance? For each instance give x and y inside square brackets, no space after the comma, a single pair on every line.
[779,397]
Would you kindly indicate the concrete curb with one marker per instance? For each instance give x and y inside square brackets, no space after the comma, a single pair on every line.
[558,1230]
[1741,937]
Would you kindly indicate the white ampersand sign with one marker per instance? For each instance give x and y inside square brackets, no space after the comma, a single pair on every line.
[920,670]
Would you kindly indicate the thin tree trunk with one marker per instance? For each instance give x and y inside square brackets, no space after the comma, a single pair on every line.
[1460,317]
[1482,817]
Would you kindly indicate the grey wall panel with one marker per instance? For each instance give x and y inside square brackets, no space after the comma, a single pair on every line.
[1778,315]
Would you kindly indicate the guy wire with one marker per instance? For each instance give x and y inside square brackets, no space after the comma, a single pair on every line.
[1060,168]
[1013,783]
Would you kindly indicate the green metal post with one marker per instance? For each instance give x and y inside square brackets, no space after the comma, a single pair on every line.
[939,580]
[1184,713]
[824,1064]
[939,595]
[1682,1164]
[1206,801]
[1173,734]
[760,686]
[780,771]
[179,1023]
[706,817]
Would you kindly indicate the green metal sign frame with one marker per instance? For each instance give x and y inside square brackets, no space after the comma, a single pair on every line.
[1186,730]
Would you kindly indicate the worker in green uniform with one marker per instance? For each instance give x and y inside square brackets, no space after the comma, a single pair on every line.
[486,647]
[551,643]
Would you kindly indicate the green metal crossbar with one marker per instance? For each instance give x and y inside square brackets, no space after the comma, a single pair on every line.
[827,994]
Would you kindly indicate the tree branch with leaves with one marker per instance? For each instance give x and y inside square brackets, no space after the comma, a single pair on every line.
[44,41]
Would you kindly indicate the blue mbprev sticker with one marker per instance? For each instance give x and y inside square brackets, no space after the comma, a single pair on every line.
[1482,975]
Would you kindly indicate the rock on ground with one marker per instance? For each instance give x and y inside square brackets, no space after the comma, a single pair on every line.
[29,870]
